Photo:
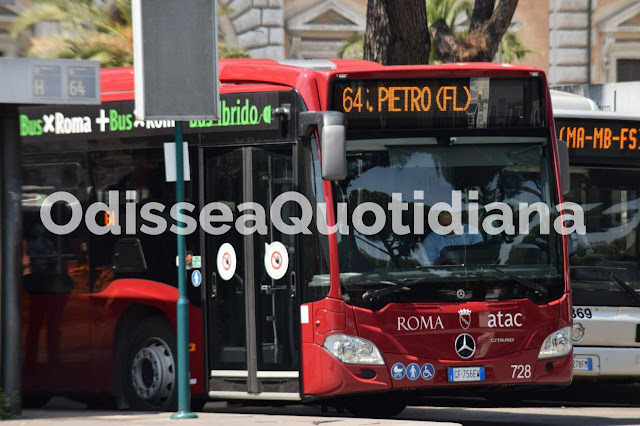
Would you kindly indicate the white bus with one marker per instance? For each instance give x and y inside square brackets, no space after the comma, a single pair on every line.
[604,151]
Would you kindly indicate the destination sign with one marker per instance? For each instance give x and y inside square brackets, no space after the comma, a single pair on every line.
[599,137]
[116,119]
[463,103]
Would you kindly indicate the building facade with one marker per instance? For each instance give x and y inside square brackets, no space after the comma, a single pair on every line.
[575,41]
[594,41]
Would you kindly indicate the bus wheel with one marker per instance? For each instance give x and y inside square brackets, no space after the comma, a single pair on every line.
[149,368]
[378,407]
[34,401]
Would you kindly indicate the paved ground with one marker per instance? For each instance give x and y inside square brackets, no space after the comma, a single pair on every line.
[581,404]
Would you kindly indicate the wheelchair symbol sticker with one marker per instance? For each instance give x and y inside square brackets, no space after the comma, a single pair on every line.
[427,371]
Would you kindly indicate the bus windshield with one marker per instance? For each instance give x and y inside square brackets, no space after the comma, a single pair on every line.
[610,198]
[422,172]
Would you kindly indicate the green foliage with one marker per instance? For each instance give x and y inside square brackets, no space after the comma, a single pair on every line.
[226,52]
[89,31]
[512,49]
[352,48]
[449,11]
[6,401]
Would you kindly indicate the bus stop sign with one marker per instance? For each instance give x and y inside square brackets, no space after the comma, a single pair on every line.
[49,81]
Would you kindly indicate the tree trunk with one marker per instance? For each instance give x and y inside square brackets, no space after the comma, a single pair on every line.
[397,34]
[377,35]
[488,25]
[482,11]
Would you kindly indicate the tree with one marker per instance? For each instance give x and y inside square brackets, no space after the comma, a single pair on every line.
[489,22]
[87,30]
[448,10]
[396,34]
[352,48]
[510,47]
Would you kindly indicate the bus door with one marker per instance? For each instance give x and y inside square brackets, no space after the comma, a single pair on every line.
[252,310]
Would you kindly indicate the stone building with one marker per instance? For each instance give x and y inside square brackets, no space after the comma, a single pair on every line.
[594,41]
[576,41]
[295,29]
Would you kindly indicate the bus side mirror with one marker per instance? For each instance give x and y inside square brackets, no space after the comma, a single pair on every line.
[565,173]
[333,140]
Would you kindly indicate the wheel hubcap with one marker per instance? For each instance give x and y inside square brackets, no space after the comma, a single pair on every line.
[153,371]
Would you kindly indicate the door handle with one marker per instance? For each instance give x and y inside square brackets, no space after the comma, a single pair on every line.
[268,288]
[214,285]
[293,285]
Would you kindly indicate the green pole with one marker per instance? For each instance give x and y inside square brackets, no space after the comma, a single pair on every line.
[184,396]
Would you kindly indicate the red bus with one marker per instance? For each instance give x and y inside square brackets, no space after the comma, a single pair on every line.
[364,317]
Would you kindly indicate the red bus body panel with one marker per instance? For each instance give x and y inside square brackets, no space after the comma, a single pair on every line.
[78,335]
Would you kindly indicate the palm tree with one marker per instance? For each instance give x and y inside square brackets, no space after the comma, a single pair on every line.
[353,47]
[87,31]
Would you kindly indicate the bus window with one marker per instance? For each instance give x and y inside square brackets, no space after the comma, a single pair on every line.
[139,178]
[315,257]
[57,263]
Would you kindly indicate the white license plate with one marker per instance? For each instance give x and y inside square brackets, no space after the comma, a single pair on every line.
[582,363]
[466,374]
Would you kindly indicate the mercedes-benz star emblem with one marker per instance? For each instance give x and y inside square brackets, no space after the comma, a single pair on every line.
[465,346]
[460,293]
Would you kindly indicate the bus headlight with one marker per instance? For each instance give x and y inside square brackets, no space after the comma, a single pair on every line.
[556,344]
[353,350]
[578,332]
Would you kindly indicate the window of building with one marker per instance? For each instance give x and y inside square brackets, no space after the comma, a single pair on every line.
[628,70]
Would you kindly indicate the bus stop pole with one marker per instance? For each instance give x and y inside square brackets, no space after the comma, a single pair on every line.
[182,326]
[11,260]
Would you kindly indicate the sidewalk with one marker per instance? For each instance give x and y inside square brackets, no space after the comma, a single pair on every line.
[216,414]
[50,417]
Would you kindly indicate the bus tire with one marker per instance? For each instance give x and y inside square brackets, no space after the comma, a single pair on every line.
[197,403]
[33,402]
[148,367]
[377,407]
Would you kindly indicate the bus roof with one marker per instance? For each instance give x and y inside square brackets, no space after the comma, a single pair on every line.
[117,83]
[570,101]
[593,115]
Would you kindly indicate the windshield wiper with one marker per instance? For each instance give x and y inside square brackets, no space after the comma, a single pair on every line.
[374,295]
[538,288]
[606,271]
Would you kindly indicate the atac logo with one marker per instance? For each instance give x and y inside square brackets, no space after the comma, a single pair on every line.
[465,318]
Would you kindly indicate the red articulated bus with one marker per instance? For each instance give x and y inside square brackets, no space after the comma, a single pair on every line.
[284,306]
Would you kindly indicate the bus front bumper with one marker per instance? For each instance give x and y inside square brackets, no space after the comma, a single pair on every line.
[325,376]
[610,363]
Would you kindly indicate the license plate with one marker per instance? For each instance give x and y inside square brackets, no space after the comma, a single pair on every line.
[582,363]
[466,374]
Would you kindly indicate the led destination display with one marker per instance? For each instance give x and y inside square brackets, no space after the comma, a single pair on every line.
[600,137]
[461,103]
